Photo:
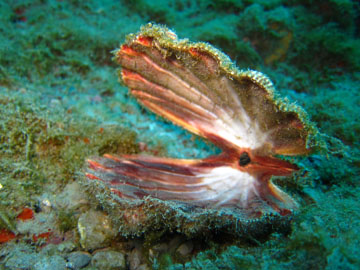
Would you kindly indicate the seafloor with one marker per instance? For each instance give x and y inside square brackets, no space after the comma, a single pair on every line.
[60,102]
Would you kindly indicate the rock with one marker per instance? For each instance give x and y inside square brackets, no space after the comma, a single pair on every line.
[62,248]
[72,197]
[185,248]
[21,260]
[66,247]
[54,263]
[135,259]
[78,260]
[143,267]
[109,260]
[175,242]
[158,249]
[95,229]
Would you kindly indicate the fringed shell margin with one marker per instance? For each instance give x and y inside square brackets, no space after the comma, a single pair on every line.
[135,218]
[168,39]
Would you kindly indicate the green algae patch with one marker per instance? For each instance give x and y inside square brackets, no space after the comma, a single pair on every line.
[66,220]
[40,151]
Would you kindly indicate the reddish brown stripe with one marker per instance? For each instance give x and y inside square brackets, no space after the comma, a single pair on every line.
[92,177]
[125,49]
[176,189]
[145,41]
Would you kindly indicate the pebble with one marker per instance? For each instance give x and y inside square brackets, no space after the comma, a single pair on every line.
[95,229]
[109,260]
[55,262]
[66,246]
[185,248]
[162,247]
[158,249]
[143,267]
[135,259]
[175,242]
[21,260]
[62,248]
[77,260]
[72,197]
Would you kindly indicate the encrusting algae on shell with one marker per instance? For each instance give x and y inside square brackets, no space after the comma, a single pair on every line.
[198,88]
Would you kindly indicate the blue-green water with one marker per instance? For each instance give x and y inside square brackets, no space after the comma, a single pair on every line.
[61,102]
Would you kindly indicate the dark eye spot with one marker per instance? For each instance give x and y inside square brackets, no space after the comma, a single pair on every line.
[244,159]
